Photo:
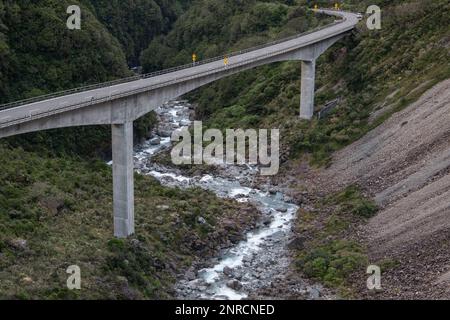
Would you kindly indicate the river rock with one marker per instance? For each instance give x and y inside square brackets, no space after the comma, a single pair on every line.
[165,132]
[190,275]
[277,236]
[247,259]
[297,244]
[155,141]
[234,284]
[266,221]
[227,271]
[313,293]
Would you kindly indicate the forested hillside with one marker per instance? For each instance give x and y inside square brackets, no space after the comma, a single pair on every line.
[136,23]
[211,28]
[55,196]
[40,54]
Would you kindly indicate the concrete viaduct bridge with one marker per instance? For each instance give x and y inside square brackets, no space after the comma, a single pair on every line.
[120,102]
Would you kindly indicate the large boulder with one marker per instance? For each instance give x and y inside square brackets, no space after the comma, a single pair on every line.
[235,285]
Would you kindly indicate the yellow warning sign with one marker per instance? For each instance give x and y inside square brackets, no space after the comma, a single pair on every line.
[194,57]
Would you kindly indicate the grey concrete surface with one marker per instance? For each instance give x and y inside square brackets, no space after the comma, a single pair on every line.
[123,180]
[308,84]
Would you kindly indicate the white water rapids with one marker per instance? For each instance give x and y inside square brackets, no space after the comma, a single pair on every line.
[255,261]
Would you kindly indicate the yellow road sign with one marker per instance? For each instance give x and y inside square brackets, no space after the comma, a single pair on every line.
[316,7]
[336,6]
[194,57]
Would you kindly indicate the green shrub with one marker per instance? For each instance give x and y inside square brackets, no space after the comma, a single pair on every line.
[333,262]
[351,200]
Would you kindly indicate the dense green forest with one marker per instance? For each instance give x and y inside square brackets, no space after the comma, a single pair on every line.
[136,23]
[39,54]
[211,28]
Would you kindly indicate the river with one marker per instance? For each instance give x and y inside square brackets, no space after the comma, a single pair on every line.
[254,262]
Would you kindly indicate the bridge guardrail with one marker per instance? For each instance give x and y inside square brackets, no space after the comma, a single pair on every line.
[161,72]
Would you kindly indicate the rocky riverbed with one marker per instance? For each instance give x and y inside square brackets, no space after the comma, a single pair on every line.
[258,262]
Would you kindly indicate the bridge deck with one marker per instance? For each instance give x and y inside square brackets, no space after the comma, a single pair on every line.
[23,113]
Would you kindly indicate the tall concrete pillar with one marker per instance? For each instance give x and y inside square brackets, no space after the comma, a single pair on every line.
[123,179]
[307,93]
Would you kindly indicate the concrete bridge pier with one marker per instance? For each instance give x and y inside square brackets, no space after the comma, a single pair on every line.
[123,179]
[307,90]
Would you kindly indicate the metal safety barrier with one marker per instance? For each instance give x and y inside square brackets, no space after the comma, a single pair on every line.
[158,73]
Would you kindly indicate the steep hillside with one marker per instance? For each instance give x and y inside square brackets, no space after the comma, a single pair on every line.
[404,164]
[40,55]
[136,23]
[372,72]
[211,28]
[383,199]
[57,212]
